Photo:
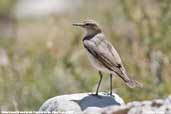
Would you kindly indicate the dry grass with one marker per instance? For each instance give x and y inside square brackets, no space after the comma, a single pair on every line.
[45,57]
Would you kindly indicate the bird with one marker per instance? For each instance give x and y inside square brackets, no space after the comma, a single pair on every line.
[102,54]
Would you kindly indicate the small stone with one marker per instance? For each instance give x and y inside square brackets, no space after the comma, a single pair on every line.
[157,103]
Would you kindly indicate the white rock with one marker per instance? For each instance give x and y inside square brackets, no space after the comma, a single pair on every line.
[80,102]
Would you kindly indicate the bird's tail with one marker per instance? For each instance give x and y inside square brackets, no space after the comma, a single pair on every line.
[128,80]
[133,83]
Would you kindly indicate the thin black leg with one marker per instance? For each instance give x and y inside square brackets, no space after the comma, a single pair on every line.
[101,76]
[111,84]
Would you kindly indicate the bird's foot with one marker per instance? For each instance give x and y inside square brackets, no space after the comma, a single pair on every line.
[95,94]
[110,94]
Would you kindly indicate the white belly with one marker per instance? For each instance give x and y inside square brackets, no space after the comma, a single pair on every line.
[96,64]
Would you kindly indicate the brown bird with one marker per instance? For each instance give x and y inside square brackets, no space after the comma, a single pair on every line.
[102,55]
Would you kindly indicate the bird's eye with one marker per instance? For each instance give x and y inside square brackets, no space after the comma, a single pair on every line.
[87,24]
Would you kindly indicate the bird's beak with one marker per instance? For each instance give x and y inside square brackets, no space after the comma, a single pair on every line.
[78,24]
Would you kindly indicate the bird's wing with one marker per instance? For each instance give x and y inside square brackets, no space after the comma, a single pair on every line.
[103,50]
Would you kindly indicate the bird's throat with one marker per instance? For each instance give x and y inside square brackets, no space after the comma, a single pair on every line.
[90,34]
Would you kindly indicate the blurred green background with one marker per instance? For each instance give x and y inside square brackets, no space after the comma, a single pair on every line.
[42,56]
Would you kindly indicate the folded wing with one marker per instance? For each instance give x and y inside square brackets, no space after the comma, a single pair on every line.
[103,50]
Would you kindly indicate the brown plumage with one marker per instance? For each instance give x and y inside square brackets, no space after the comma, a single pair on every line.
[102,55]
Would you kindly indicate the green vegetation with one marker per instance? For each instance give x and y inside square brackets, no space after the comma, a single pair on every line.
[45,57]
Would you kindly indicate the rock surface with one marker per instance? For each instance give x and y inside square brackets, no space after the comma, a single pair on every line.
[156,106]
[85,103]
[77,103]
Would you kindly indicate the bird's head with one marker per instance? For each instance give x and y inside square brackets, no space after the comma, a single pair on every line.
[90,26]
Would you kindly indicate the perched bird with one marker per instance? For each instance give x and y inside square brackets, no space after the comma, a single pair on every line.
[102,55]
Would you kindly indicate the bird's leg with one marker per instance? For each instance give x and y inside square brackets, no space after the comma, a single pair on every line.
[111,84]
[101,76]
